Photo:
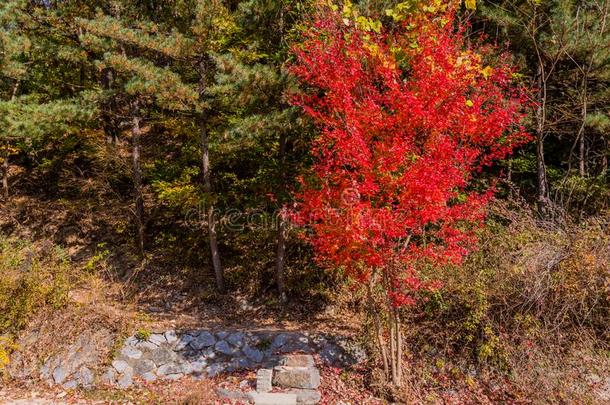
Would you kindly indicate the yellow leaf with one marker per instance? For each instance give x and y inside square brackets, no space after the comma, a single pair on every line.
[471,4]
[487,71]
[469,103]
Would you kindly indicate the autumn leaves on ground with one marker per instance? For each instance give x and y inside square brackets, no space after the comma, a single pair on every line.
[428,179]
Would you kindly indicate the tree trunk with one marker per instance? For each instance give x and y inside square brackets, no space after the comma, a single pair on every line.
[137,181]
[107,81]
[280,252]
[207,188]
[581,135]
[7,152]
[207,185]
[378,329]
[398,329]
[5,167]
[605,158]
[543,188]
[393,348]
[279,259]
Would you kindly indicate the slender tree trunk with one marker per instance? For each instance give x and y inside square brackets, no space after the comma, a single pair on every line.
[393,348]
[7,152]
[279,259]
[543,188]
[107,80]
[137,180]
[398,328]
[395,335]
[605,158]
[211,219]
[5,167]
[378,329]
[280,252]
[207,185]
[581,135]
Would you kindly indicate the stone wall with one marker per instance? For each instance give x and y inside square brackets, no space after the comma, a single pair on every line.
[204,353]
[171,354]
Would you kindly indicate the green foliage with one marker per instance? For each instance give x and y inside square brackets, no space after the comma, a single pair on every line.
[143,334]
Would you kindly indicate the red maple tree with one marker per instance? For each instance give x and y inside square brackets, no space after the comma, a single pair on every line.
[406,115]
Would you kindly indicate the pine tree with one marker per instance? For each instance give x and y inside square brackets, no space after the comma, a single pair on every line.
[34,50]
[251,84]
[565,49]
[13,47]
[135,49]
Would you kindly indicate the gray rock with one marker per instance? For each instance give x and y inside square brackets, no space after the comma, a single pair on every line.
[146,345]
[173,377]
[131,353]
[149,377]
[168,369]
[171,337]
[306,397]
[263,380]
[238,363]
[69,385]
[131,341]
[232,395]
[296,377]
[120,365]
[183,341]
[157,338]
[253,354]
[296,346]
[352,352]
[198,366]
[187,368]
[59,375]
[279,341]
[319,340]
[209,354]
[203,339]
[269,398]
[215,369]
[126,379]
[297,360]
[109,376]
[85,377]
[143,366]
[224,348]
[162,356]
[253,340]
[222,334]
[331,354]
[236,339]
[303,339]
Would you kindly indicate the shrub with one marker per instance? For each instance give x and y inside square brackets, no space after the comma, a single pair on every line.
[31,277]
[531,281]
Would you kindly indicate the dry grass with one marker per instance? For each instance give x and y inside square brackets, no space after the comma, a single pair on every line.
[525,319]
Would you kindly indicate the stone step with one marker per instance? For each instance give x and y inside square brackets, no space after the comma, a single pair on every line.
[297,360]
[306,397]
[296,377]
[268,398]
[263,380]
